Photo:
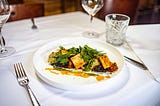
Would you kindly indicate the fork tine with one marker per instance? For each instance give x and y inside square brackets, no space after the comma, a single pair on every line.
[16,70]
[22,70]
[19,70]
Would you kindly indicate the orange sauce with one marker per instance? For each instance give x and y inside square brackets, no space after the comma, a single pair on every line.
[80,74]
[85,75]
[64,72]
[108,76]
[49,69]
[54,72]
[77,73]
[99,78]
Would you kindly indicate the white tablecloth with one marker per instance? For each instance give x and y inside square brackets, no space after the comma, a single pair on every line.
[139,90]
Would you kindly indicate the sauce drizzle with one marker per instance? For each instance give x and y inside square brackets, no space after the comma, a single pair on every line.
[78,73]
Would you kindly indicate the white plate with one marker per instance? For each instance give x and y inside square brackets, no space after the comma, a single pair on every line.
[74,83]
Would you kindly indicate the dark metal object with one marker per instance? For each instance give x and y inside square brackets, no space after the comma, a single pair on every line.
[3,41]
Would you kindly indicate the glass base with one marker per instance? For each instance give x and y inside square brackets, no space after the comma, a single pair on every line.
[90,34]
[7,52]
[115,43]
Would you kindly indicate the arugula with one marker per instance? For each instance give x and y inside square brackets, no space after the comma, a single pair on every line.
[89,65]
[87,54]
[61,59]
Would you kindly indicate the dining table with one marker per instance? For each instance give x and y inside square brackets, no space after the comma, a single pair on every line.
[137,88]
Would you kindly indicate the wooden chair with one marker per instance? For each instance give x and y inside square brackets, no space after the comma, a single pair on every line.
[24,11]
[128,7]
[15,1]
[76,5]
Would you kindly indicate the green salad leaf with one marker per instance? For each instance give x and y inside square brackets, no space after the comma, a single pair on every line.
[87,54]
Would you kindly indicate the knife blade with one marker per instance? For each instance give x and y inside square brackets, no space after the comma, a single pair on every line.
[138,64]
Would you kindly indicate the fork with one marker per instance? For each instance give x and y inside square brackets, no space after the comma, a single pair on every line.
[33,24]
[24,81]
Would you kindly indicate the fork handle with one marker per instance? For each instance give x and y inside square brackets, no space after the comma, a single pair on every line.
[32,96]
[32,19]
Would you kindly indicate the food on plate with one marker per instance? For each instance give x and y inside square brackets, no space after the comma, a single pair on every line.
[83,58]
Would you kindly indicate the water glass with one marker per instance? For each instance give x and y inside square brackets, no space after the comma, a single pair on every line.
[116,27]
[4,15]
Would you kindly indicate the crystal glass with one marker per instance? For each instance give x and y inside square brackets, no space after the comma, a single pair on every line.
[4,15]
[116,27]
[91,7]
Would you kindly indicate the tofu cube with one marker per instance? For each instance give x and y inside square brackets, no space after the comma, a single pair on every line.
[77,61]
[106,63]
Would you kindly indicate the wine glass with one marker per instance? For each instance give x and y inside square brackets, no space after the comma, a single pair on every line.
[4,15]
[92,7]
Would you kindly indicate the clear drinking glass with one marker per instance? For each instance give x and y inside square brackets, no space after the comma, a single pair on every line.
[116,27]
[4,15]
[91,7]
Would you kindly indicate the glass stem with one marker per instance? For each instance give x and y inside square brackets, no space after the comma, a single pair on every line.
[3,49]
[91,19]
[91,26]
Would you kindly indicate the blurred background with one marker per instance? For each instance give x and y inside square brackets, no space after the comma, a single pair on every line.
[146,12]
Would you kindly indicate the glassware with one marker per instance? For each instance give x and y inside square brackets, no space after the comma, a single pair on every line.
[92,7]
[116,27]
[4,15]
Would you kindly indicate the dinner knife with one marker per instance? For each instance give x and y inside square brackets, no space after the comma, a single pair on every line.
[139,64]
